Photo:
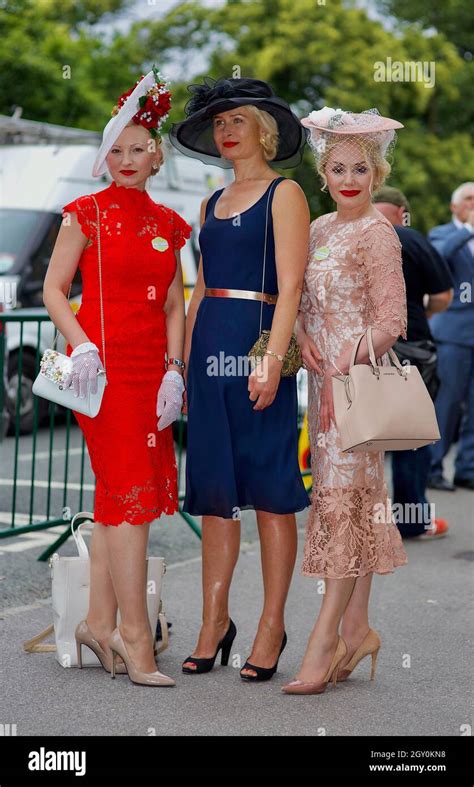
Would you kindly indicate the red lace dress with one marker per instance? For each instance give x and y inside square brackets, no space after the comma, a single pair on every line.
[134,463]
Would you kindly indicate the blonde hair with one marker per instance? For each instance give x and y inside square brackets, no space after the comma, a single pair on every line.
[270,127]
[370,147]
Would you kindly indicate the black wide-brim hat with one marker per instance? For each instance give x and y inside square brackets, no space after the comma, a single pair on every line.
[194,136]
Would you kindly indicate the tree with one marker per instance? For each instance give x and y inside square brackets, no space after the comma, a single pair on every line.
[314,55]
[453,18]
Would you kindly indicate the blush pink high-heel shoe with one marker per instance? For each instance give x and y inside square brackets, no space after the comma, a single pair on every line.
[301,687]
[370,645]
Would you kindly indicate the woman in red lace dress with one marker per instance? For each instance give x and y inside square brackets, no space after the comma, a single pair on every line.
[132,455]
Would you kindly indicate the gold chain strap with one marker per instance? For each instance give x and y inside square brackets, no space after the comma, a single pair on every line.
[292,360]
[265,253]
[99,254]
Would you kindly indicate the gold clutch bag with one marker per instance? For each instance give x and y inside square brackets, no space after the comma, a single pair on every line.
[292,362]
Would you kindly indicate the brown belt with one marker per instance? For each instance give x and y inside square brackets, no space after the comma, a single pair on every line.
[214,292]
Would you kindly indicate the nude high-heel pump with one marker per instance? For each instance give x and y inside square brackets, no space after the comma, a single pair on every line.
[117,646]
[301,687]
[84,636]
[369,646]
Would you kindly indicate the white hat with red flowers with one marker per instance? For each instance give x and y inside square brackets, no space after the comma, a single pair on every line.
[147,103]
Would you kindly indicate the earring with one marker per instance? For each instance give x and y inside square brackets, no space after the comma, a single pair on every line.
[154,165]
[262,140]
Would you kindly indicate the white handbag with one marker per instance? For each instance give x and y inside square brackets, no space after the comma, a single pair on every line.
[70,601]
[55,366]
[383,408]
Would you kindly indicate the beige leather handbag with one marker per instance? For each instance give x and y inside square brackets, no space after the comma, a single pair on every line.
[383,408]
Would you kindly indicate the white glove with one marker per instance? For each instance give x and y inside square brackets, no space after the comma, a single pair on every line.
[170,399]
[85,363]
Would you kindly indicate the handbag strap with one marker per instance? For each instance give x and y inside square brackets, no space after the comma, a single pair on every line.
[99,255]
[355,349]
[370,345]
[391,354]
[88,518]
[33,645]
[265,250]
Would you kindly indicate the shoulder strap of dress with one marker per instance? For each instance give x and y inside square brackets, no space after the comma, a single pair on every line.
[271,192]
[275,183]
[213,199]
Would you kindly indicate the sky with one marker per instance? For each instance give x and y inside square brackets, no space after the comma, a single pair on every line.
[149,9]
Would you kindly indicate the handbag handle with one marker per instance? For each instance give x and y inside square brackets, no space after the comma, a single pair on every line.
[88,516]
[265,253]
[373,361]
[370,346]
[99,254]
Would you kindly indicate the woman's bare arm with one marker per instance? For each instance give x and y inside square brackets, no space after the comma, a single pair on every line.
[62,267]
[196,298]
[291,231]
[174,310]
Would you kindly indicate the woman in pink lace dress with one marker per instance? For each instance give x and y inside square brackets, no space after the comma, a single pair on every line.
[353,280]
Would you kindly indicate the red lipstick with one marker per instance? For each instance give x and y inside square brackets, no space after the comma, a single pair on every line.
[128,171]
[230,144]
[352,193]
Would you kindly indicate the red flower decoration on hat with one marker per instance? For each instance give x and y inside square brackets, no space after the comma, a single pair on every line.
[154,105]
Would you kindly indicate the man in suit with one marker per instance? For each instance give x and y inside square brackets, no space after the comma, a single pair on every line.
[429,289]
[453,331]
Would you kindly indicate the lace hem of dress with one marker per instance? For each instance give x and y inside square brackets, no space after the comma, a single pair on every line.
[351,532]
[141,503]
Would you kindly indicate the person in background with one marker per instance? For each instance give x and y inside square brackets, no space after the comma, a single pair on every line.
[427,276]
[453,332]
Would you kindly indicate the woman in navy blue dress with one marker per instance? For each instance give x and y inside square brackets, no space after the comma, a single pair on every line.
[242,424]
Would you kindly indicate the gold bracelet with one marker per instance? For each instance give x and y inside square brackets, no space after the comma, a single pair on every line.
[275,355]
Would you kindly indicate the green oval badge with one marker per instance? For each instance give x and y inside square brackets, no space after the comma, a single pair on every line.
[322,253]
[160,244]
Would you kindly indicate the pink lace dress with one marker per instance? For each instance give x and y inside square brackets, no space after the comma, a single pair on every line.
[353,279]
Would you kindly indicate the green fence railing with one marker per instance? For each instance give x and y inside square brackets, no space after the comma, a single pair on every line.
[40,431]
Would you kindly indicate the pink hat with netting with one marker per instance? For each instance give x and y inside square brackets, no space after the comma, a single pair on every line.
[326,122]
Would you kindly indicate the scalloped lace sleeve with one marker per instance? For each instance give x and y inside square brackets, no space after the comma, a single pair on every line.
[380,252]
[86,212]
[181,231]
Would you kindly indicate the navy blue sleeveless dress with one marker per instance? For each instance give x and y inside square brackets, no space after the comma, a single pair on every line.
[238,458]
